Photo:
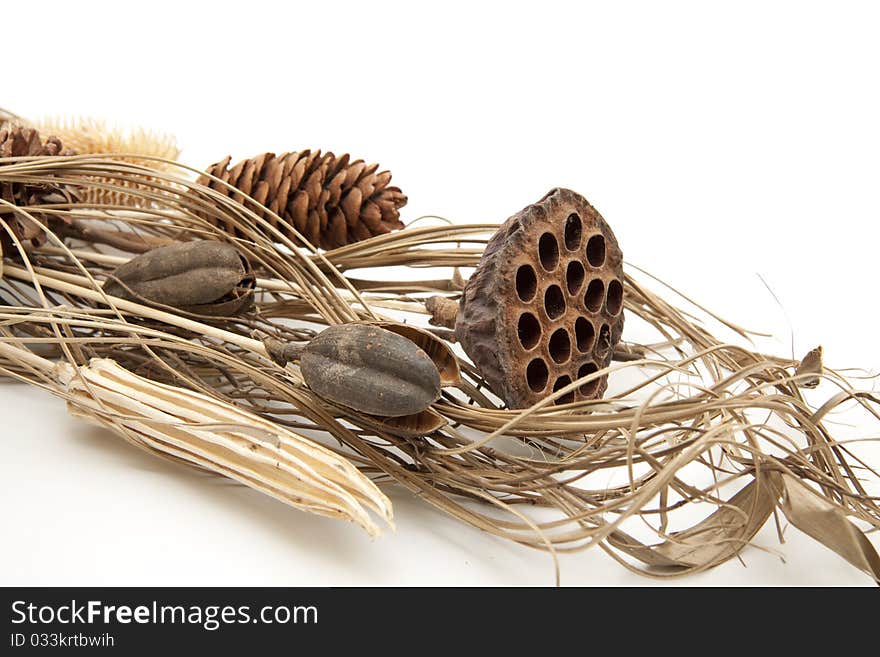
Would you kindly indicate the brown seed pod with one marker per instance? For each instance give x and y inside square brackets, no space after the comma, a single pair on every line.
[413,425]
[365,367]
[545,304]
[202,277]
[436,349]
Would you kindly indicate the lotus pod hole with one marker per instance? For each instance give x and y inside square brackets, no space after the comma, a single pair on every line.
[588,389]
[596,250]
[614,300]
[595,295]
[526,283]
[544,303]
[560,345]
[529,330]
[603,343]
[548,251]
[554,301]
[584,333]
[574,276]
[536,374]
[561,382]
[573,232]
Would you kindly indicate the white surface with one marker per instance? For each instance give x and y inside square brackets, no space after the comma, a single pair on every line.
[720,144]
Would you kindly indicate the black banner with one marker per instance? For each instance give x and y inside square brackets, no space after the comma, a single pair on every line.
[128,621]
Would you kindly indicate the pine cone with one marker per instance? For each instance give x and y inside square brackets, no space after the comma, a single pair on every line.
[19,141]
[329,200]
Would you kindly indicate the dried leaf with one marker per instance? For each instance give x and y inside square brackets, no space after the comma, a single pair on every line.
[724,533]
[716,539]
[810,365]
[826,522]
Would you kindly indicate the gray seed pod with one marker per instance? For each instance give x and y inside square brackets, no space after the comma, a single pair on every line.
[367,368]
[202,277]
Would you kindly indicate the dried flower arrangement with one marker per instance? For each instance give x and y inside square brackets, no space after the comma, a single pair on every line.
[219,325]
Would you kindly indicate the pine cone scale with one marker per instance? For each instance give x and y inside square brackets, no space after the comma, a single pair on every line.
[20,141]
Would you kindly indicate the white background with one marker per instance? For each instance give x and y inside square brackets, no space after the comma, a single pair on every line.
[720,143]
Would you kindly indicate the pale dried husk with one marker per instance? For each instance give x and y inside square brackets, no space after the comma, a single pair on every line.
[213,435]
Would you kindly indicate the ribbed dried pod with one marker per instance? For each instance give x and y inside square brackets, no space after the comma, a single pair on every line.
[91,136]
[365,367]
[329,200]
[17,140]
[202,277]
[545,304]
[437,350]
[217,436]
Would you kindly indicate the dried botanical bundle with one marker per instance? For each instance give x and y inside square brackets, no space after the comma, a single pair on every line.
[698,444]
[213,435]
[327,199]
[91,136]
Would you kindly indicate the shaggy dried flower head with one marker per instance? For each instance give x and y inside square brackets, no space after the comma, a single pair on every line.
[92,136]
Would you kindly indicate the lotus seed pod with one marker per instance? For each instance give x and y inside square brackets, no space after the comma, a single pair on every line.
[202,277]
[370,369]
[545,304]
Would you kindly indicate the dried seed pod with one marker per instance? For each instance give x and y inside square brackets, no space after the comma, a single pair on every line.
[436,349]
[413,426]
[545,304]
[201,277]
[365,367]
